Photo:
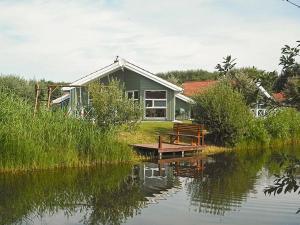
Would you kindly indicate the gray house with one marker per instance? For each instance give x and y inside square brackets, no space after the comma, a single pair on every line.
[161,99]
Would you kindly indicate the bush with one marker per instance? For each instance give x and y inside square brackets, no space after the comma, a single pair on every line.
[283,124]
[257,133]
[112,108]
[224,113]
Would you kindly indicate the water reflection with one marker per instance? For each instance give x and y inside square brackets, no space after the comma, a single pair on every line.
[113,194]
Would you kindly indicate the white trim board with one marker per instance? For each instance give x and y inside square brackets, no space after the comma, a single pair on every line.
[184,98]
[121,64]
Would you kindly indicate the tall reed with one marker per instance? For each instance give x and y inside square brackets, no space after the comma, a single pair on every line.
[50,139]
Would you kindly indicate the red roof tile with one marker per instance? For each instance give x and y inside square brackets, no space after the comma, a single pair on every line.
[191,88]
[279,97]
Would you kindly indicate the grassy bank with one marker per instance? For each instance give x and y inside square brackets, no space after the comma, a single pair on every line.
[147,132]
[50,139]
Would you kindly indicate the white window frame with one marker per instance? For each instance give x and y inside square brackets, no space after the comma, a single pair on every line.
[156,107]
[132,91]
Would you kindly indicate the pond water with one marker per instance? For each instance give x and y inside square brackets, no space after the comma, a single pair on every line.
[221,189]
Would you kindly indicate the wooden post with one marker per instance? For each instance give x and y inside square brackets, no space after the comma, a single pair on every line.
[203,134]
[159,146]
[198,134]
[49,97]
[177,136]
[159,142]
[37,93]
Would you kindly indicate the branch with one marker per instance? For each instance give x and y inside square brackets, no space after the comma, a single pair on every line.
[292,3]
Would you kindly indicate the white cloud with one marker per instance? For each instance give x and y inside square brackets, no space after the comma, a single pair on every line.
[62,40]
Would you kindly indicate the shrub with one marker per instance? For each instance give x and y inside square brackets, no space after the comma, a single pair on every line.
[224,113]
[283,124]
[112,108]
[257,133]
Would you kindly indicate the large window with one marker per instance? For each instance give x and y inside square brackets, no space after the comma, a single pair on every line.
[155,104]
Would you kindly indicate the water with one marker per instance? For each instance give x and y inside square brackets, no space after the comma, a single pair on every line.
[222,189]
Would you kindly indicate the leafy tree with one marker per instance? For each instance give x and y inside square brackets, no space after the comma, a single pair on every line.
[244,80]
[227,65]
[287,182]
[289,79]
[224,113]
[25,89]
[111,107]
[292,92]
[19,86]
[290,68]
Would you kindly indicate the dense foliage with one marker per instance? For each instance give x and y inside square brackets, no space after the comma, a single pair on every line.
[289,79]
[244,80]
[224,113]
[179,77]
[25,89]
[112,107]
[51,139]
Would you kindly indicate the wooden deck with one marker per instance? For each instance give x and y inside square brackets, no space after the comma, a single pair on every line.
[177,140]
[166,147]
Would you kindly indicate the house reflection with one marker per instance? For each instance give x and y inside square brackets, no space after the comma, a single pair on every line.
[160,179]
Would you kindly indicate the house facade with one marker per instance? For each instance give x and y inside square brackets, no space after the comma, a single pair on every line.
[161,99]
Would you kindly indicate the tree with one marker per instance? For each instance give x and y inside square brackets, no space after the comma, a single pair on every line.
[287,182]
[224,113]
[290,68]
[226,65]
[289,79]
[111,107]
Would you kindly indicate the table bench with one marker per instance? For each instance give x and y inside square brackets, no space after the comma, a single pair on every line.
[194,132]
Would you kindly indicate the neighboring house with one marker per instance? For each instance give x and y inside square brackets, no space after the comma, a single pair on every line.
[161,99]
[192,88]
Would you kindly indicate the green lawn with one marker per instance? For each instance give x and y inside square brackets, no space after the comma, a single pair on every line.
[146,132]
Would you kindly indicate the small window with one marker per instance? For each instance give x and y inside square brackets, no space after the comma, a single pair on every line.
[149,103]
[134,95]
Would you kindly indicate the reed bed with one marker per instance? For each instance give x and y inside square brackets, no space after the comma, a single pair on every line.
[50,139]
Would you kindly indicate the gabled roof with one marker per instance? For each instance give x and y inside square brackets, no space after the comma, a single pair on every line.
[195,87]
[184,98]
[61,99]
[121,64]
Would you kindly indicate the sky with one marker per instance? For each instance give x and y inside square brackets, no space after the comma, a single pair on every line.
[62,40]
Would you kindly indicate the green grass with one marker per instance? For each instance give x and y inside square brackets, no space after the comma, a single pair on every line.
[146,132]
[50,139]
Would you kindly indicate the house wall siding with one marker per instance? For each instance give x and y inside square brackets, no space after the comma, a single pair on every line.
[182,105]
[134,81]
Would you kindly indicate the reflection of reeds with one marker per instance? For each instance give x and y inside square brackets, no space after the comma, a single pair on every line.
[50,139]
[103,194]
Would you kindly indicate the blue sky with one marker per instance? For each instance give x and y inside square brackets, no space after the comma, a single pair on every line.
[62,40]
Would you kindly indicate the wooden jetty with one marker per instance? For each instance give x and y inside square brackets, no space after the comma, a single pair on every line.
[167,147]
[192,132]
